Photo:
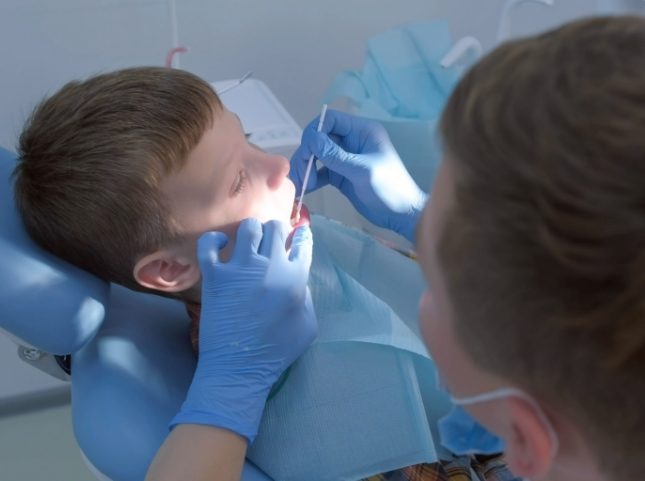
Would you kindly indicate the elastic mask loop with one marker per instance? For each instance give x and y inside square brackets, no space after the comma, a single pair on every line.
[512,392]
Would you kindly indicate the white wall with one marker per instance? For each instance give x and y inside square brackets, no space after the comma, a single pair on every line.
[295,46]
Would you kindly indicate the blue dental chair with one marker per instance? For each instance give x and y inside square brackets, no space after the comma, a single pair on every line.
[128,353]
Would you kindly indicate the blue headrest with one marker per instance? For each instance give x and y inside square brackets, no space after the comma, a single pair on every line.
[44,301]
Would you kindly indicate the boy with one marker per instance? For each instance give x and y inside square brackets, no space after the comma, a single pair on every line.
[120,175]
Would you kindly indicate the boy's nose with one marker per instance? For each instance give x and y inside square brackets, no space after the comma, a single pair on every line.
[278,171]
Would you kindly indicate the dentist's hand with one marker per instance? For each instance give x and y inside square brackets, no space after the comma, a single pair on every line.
[256,319]
[361,162]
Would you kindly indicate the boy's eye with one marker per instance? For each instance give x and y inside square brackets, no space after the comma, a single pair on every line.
[240,183]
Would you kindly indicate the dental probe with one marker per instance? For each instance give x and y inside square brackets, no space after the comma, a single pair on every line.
[309,165]
[236,84]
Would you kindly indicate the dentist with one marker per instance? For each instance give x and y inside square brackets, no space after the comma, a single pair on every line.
[533,245]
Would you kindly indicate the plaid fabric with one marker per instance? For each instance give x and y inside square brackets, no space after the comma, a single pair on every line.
[462,468]
[493,468]
[418,472]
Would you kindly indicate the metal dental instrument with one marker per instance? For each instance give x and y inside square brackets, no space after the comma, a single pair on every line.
[309,165]
[236,84]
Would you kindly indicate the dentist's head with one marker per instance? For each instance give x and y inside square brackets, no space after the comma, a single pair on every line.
[533,243]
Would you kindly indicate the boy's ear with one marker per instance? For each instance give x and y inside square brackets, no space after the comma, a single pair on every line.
[531,446]
[166,271]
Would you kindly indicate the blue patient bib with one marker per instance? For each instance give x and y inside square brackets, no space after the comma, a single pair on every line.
[362,399]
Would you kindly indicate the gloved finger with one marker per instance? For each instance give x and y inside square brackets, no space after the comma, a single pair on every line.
[301,156]
[336,123]
[249,235]
[297,165]
[318,178]
[313,184]
[334,157]
[355,133]
[341,125]
[325,176]
[302,248]
[297,179]
[208,246]
[273,239]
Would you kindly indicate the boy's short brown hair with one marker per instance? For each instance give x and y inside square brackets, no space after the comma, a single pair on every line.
[544,249]
[91,159]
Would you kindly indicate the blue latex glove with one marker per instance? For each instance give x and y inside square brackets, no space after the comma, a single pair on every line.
[256,319]
[361,162]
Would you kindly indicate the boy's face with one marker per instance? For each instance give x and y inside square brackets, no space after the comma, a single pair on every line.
[225,179]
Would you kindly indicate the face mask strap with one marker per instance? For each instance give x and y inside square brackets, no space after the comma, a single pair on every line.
[512,392]
[488,396]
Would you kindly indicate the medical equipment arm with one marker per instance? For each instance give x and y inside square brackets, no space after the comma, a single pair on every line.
[359,160]
[256,319]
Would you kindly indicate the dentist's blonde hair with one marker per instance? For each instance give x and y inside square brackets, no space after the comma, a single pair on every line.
[544,248]
[91,160]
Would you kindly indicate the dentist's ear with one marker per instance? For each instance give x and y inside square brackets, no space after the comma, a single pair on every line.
[532,444]
[166,271]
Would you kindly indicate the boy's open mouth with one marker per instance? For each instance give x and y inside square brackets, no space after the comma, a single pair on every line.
[305,219]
